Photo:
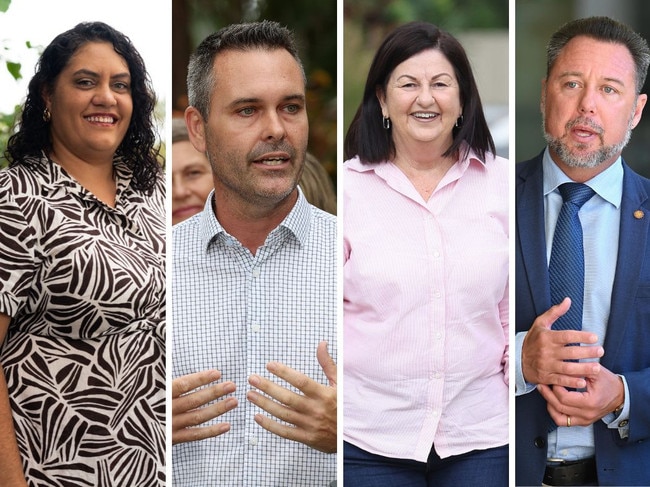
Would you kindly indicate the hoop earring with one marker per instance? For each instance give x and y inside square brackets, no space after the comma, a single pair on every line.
[46,115]
[459,122]
[386,123]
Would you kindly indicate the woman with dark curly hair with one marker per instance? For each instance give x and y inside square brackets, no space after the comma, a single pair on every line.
[82,275]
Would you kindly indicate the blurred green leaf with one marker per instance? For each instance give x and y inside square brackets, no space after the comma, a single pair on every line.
[7,128]
[14,69]
[4,5]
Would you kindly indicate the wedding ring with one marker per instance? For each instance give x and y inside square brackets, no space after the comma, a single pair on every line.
[568,421]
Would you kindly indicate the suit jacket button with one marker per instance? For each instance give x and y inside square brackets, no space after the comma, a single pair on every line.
[540,442]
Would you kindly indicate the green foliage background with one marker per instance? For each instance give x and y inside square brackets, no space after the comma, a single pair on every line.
[14,71]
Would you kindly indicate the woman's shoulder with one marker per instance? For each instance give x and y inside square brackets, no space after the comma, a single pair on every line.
[23,177]
[493,162]
[500,162]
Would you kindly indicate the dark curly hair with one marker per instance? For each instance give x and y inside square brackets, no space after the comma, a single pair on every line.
[137,150]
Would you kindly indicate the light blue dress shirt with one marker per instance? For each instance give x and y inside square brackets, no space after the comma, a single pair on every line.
[600,218]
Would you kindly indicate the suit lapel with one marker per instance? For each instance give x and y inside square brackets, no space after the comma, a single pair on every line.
[531,234]
[632,247]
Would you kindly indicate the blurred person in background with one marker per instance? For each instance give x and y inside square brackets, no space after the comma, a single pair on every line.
[191,175]
[317,186]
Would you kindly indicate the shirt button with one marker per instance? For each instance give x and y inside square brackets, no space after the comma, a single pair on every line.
[256,327]
[436,254]
[437,294]
[252,441]
[256,272]
[438,335]
[623,423]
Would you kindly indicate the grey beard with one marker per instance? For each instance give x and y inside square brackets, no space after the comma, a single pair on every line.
[588,160]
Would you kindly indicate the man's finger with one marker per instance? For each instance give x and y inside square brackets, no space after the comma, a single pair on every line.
[274,408]
[201,397]
[326,362]
[196,434]
[199,416]
[277,392]
[551,315]
[186,383]
[297,379]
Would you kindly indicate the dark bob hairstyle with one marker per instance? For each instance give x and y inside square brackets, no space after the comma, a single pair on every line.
[366,136]
[137,150]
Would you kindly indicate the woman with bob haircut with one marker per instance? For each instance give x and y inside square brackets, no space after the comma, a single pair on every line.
[425,274]
[82,272]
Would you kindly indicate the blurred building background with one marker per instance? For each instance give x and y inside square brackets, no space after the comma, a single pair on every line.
[535,22]
[480,25]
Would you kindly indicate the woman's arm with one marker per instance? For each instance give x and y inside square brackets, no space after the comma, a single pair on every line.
[11,468]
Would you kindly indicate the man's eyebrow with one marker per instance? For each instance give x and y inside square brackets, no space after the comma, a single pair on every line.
[579,74]
[252,100]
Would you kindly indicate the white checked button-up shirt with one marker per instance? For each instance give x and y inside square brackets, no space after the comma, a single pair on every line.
[235,312]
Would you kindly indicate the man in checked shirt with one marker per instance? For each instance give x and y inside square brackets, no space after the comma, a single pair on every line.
[254,278]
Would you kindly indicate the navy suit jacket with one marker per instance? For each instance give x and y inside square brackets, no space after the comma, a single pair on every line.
[627,341]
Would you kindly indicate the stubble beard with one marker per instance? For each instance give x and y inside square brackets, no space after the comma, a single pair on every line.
[234,175]
[586,160]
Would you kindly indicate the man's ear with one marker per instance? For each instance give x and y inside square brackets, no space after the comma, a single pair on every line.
[638,108]
[196,129]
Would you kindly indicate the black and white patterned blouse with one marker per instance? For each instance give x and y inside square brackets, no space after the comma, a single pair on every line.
[235,312]
[84,356]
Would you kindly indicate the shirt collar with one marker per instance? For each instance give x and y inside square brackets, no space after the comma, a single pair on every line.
[608,184]
[356,165]
[296,224]
[57,177]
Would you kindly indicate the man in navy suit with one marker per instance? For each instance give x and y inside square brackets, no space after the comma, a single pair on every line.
[583,412]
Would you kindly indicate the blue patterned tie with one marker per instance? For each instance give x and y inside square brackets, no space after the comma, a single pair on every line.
[566,267]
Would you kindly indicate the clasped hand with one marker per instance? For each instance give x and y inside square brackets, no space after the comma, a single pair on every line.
[309,418]
[544,362]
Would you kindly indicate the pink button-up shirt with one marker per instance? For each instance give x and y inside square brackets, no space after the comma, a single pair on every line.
[426,310]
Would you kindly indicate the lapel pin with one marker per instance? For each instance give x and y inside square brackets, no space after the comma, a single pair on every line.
[638,214]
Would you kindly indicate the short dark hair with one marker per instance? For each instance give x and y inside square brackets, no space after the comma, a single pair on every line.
[602,29]
[137,149]
[366,136]
[242,37]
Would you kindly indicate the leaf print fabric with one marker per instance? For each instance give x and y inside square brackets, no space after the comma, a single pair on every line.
[84,356]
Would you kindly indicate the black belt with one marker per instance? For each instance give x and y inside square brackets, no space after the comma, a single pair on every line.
[570,473]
